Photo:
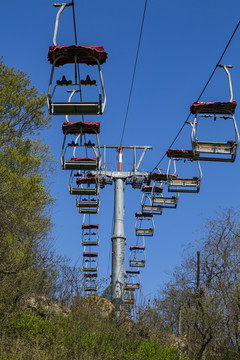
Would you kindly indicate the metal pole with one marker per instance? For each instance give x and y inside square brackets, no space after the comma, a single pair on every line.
[118,242]
[118,245]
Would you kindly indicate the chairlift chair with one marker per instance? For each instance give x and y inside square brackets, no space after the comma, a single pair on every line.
[182,184]
[159,199]
[129,297]
[137,256]
[90,262]
[89,283]
[88,204]
[133,279]
[86,140]
[147,200]
[214,150]
[90,236]
[74,54]
[144,225]
[85,186]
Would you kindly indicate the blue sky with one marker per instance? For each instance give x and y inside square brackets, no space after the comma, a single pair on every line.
[181,44]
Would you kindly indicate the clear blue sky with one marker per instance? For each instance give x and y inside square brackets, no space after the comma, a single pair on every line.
[181,44]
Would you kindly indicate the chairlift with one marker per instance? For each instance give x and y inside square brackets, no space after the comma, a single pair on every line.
[90,262]
[89,55]
[214,150]
[137,256]
[86,140]
[85,186]
[133,279]
[147,205]
[144,225]
[89,283]
[75,54]
[90,236]
[88,201]
[159,199]
[129,297]
[182,184]
[88,204]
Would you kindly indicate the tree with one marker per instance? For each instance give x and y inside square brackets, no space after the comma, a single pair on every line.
[25,223]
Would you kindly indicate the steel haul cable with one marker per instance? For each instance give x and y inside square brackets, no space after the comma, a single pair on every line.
[135,65]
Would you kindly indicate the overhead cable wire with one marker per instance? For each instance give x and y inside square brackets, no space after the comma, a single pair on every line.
[74,23]
[186,121]
[76,43]
[133,76]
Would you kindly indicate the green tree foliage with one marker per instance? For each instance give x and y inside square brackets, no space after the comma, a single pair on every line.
[25,222]
[22,108]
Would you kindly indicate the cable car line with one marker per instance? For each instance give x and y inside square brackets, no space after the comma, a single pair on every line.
[135,65]
[186,121]
[74,23]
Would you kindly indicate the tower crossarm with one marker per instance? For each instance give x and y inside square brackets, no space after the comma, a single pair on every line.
[135,162]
